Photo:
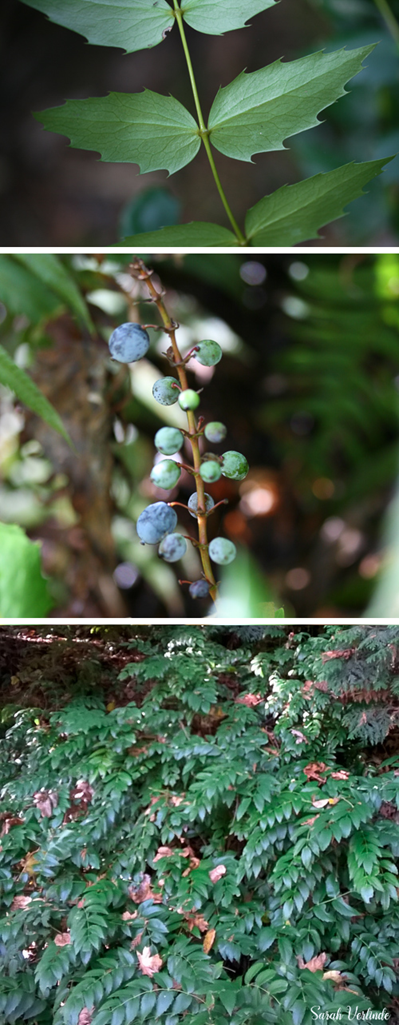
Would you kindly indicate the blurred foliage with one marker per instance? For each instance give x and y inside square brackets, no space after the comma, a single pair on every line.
[368,120]
[308,388]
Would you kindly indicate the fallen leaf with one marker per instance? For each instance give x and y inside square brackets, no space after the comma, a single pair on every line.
[315,963]
[163,852]
[341,774]
[335,976]
[45,801]
[313,770]
[196,921]
[20,902]
[301,737]
[85,1016]
[62,939]
[129,915]
[149,963]
[216,873]
[137,940]
[250,700]
[209,940]
[309,822]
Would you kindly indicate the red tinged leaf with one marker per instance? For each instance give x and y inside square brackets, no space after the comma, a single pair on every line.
[313,770]
[45,801]
[250,700]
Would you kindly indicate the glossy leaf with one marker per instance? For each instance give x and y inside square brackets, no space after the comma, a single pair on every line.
[22,586]
[131,24]
[215,18]
[257,111]
[294,213]
[145,128]
[27,391]
[197,233]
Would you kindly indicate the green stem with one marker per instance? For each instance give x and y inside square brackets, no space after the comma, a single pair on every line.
[389,18]
[204,134]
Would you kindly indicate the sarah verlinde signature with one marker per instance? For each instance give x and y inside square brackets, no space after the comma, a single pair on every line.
[351,1014]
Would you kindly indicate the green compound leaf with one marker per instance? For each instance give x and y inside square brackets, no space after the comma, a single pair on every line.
[131,24]
[22,587]
[27,391]
[197,233]
[49,269]
[222,16]
[257,111]
[147,129]
[294,213]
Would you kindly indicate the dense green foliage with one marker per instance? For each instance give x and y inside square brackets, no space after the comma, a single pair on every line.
[216,845]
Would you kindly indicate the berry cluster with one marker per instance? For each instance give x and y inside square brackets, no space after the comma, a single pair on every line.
[156,525]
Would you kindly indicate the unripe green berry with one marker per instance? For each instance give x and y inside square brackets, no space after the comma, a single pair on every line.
[168,440]
[165,391]
[189,399]
[215,431]
[222,551]
[210,471]
[193,504]
[165,474]
[173,547]
[234,465]
[209,353]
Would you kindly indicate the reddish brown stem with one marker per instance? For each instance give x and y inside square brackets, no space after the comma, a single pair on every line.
[139,270]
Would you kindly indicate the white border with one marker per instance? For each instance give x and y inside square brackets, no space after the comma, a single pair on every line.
[205,250]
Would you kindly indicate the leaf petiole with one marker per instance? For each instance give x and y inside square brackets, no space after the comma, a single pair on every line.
[203,131]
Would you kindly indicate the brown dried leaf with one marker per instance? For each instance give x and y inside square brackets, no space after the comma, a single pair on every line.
[309,822]
[163,852]
[334,975]
[313,770]
[137,940]
[45,801]
[315,964]
[85,1016]
[20,902]
[149,963]
[216,873]
[341,774]
[62,939]
[209,940]
[250,700]
[301,737]
[196,921]
[128,916]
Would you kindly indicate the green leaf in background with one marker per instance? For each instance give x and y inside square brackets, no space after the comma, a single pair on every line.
[222,16]
[49,269]
[257,111]
[152,209]
[197,233]
[22,586]
[21,292]
[131,24]
[27,391]
[294,213]
[147,129]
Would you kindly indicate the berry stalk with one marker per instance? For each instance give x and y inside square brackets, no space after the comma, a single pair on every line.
[140,271]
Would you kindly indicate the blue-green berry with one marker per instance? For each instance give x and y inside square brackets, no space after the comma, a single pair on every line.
[193,504]
[168,440]
[199,589]
[165,474]
[166,391]
[222,551]
[215,432]
[154,522]
[189,399]
[210,471]
[128,343]
[234,465]
[209,353]
[172,547]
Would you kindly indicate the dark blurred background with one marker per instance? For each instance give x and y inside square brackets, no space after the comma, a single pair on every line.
[51,195]
[307,387]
